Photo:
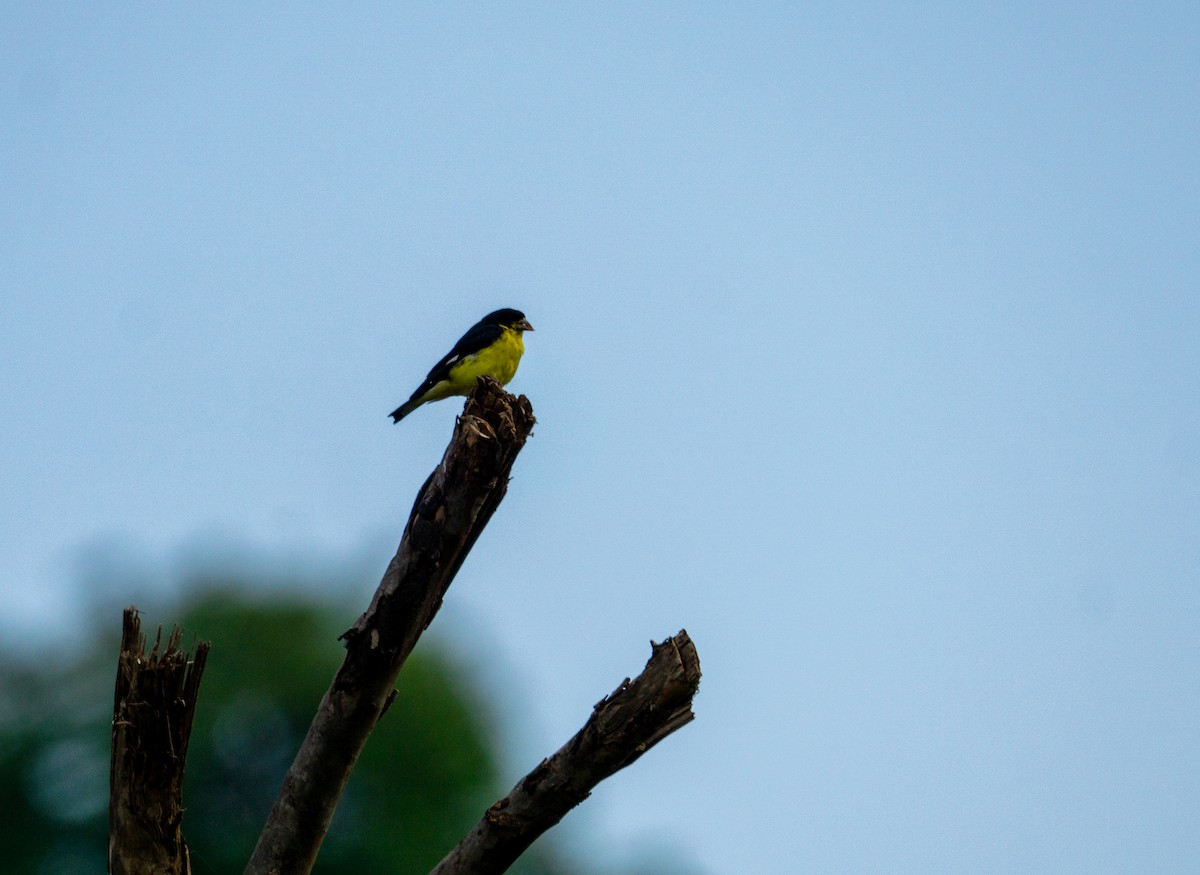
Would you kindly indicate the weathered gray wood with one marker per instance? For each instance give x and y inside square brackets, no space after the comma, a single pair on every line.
[153,706]
[638,715]
[451,510]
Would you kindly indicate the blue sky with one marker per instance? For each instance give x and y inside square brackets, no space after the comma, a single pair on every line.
[866,350]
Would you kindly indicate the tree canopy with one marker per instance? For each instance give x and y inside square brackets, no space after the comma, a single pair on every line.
[427,773]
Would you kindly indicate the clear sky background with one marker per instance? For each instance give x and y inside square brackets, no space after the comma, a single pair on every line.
[867,349]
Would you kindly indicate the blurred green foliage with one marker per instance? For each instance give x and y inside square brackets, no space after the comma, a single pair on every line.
[426,775]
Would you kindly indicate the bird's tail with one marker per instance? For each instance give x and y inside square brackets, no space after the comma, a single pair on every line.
[404,409]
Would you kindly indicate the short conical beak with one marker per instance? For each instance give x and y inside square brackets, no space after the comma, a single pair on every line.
[523,325]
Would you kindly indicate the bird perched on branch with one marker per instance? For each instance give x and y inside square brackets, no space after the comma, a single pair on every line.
[491,348]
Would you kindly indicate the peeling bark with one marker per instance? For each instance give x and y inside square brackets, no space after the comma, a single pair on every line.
[153,706]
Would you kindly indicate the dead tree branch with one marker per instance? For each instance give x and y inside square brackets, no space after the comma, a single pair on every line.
[153,706]
[451,510]
[638,715]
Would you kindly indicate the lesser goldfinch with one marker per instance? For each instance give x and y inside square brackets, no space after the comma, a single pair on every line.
[492,348]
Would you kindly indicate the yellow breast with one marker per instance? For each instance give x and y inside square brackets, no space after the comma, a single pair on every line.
[499,360]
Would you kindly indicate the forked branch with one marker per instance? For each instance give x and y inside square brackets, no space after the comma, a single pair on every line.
[451,510]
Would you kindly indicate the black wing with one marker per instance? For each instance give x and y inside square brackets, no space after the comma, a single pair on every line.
[479,336]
